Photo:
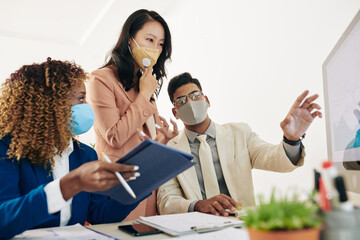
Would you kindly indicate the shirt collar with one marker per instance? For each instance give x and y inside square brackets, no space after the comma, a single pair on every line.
[210,131]
[70,148]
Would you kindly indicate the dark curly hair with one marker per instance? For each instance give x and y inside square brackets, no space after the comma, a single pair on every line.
[121,58]
[35,109]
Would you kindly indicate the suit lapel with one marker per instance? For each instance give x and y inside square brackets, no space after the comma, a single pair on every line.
[188,178]
[131,94]
[225,147]
[43,175]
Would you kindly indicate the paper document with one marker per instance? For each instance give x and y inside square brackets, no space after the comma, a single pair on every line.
[224,234]
[74,232]
[185,223]
[157,163]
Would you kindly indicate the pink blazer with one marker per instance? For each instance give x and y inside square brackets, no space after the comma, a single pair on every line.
[118,114]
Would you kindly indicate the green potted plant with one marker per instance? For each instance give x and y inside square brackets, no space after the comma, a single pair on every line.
[284,218]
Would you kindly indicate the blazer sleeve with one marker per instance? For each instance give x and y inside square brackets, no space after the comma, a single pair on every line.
[102,209]
[170,198]
[19,212]
[116,125]
[267,156]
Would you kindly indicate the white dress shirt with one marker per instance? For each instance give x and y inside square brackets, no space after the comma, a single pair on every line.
[54,197]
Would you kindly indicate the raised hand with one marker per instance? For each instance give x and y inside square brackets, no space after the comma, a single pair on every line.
[148,84]
[300,116]
[167,132]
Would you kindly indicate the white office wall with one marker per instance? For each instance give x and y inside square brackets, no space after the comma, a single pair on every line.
[253,58]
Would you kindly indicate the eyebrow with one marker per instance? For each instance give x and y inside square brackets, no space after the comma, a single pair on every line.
[188,94]
[155,36]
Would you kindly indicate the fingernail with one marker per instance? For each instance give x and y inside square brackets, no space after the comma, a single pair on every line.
[132,178]
[136,168]
[157,126]
[137,174]
[232,209]
[142,134]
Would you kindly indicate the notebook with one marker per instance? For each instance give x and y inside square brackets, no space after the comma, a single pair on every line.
[157,163]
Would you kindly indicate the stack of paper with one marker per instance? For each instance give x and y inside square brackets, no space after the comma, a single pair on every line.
[224,234]
[185,223]
[74,232]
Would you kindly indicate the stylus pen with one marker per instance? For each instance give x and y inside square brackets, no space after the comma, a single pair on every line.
[121,179]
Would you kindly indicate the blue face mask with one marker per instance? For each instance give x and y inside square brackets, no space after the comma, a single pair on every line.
[84,118]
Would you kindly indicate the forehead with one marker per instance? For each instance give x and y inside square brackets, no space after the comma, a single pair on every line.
[79,88]
[152,28]
[185,90]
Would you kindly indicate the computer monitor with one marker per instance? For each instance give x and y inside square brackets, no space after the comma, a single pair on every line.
[341,75]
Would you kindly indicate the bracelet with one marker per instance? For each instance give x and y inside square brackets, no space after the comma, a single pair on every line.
[293,143]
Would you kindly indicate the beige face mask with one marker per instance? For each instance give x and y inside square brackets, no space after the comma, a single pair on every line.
[145,56]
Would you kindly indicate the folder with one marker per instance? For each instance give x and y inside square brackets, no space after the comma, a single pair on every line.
[157,163]
[192,222]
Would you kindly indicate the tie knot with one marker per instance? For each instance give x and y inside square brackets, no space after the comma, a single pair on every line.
[202,138]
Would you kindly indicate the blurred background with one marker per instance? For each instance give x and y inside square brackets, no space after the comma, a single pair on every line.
[253,57]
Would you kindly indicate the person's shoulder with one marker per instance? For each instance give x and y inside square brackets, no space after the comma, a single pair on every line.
[85,149]
[235,126]
[103,74]
[6,140]
[234,129]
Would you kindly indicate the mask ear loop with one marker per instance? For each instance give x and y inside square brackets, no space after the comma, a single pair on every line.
[145,61]
[130,48]
[132,53]
[135,42]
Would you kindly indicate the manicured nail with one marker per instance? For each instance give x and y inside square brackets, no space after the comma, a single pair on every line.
[142,134]
[157,126]
[136,168]
[137,174]
[132,178]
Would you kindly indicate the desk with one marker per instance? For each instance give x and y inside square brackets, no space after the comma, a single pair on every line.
[111,229]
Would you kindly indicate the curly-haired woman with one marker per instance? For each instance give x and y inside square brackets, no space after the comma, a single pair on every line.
[46,176]
[122,92]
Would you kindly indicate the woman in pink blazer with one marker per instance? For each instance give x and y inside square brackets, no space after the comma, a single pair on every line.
[122,92]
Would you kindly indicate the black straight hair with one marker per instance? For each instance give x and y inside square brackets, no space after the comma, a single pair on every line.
[179,81]
[121,58]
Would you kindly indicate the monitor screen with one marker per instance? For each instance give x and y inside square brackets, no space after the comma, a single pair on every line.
[341,73]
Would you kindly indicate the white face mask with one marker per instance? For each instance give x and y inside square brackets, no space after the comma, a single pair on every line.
[144,56]
[193,112]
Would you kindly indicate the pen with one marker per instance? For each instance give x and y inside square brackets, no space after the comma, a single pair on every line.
[209,227]
[121,179]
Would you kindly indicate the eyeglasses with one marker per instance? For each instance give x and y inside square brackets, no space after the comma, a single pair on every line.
[194,96]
